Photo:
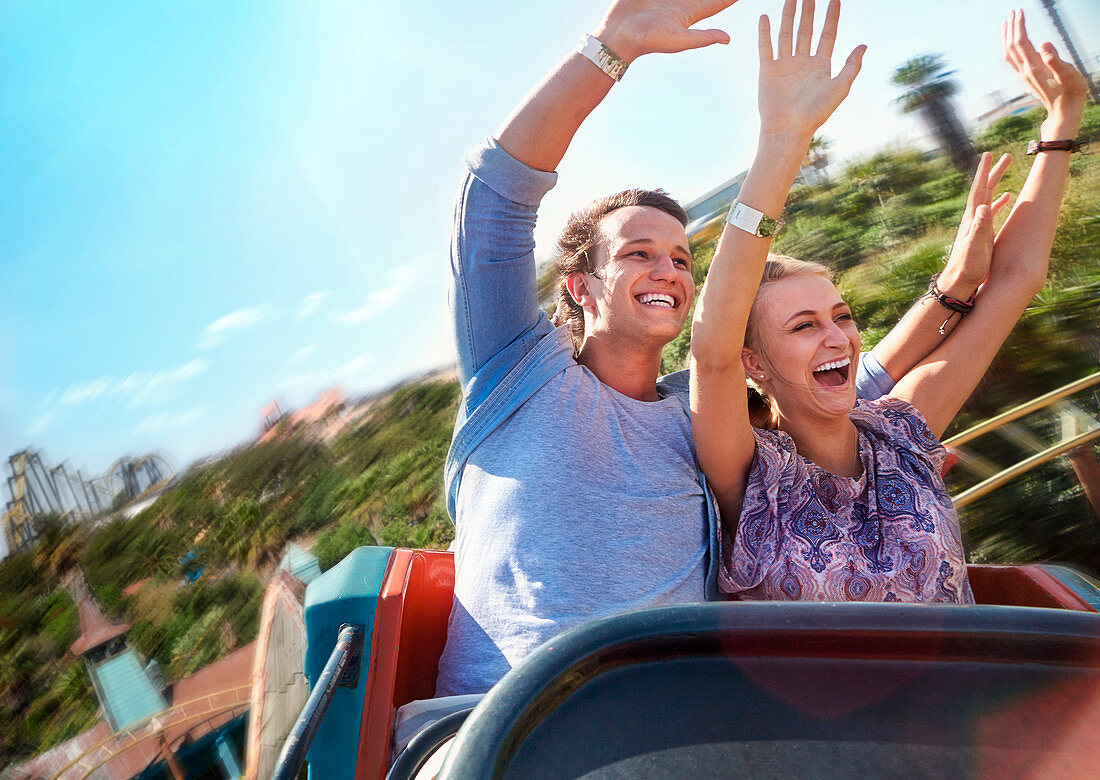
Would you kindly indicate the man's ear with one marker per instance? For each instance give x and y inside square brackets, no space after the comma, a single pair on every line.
[577,285]
[754,366]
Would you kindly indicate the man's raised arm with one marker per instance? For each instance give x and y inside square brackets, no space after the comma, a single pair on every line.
[492,250]
[540,129]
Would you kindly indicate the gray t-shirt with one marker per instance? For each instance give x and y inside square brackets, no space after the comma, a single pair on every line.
[584,503]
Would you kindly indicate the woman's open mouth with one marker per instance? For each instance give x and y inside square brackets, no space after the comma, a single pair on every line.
[834,373]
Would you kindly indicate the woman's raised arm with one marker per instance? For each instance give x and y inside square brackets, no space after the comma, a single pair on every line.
[797,94]
[941,383]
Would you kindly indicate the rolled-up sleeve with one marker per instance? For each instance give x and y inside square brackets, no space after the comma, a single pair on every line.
[872,381]
[493,295]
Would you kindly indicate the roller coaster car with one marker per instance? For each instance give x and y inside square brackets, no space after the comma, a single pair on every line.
[1009,687]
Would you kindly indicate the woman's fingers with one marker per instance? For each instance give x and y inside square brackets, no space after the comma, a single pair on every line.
[786,30]
[843,81]
[805,28]
[828,32]
[1000,203]
[981,229]
[978,189]
[995,175]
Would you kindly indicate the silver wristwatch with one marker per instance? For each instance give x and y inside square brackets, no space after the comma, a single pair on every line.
[752,221]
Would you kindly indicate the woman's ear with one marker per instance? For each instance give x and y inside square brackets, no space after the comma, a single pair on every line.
[577,285]
[754,366]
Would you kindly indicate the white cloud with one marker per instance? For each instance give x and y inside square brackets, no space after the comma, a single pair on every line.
[376,302]
[401,279]
[146,388]
[302,354]
[354,372]
[241,319]
[167,421]
[311,303]
[140,388]
[40,424]
[86,391]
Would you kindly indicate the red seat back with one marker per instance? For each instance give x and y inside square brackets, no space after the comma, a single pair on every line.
[410,629]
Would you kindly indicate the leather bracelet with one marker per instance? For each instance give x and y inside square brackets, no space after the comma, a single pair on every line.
[1070,145]
[954,305]
[946,301]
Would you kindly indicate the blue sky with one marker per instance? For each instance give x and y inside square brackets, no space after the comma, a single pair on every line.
[208,206]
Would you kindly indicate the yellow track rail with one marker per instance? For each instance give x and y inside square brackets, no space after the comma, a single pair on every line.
[993,423]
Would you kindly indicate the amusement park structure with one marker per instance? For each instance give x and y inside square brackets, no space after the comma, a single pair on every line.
[36,488]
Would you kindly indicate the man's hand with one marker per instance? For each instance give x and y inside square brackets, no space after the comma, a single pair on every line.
[797,90]
[970,255]
[631,28]
[1059,87]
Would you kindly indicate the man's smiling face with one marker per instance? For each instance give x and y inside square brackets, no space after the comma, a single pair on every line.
[642,286]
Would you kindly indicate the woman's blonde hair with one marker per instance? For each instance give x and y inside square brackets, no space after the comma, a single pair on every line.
[762,412]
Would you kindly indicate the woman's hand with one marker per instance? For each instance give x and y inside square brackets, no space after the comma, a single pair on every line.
[631,28]
[968,265]
[1059,87]
[797,90]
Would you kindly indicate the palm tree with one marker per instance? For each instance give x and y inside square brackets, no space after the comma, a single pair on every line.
[929,90]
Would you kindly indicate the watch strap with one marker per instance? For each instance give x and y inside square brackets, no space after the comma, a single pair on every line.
[1069,145]
[752,221]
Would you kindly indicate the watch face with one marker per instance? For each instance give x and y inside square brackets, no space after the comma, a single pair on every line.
[1032,147]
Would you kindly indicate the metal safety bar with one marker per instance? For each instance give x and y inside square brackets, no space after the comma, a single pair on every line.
[992,483]
[341,669]
[1019,411]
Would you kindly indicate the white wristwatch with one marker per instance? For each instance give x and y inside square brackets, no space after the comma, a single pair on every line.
[602,57]
[752,221]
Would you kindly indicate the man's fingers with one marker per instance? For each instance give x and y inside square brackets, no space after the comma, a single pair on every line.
[1000,203]
[786,30]
[805,28]
[697,39]
[828,32]
[709,8]
[764,35]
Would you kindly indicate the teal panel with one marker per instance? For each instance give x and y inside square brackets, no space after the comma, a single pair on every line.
[300,563]
[346,593]
[128,693]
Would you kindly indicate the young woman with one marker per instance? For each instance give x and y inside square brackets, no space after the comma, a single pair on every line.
[836,503]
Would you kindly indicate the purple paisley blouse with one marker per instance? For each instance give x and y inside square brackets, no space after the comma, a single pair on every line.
[890,535]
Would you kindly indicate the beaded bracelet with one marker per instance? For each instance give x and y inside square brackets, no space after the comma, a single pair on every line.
[955,305]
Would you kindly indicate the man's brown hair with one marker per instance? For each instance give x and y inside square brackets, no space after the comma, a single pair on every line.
[581,236]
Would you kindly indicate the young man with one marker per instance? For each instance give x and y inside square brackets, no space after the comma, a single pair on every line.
[572,481]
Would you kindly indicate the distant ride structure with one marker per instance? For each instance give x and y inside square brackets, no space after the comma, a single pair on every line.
[36,488]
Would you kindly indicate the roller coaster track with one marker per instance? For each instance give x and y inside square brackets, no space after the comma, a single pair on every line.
[127,739]
[1078,430]
[37,489]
